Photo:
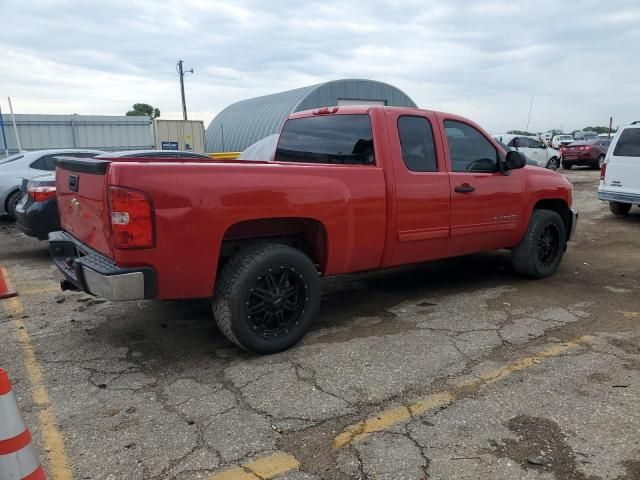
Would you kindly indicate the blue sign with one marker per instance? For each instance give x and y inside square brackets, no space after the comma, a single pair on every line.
[169,145]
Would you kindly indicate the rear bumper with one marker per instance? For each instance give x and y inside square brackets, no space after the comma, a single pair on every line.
[96,274]
[37,219]
[586,159]
[619,197]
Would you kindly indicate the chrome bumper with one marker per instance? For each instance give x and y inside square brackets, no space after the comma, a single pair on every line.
[88,270]
[119,287]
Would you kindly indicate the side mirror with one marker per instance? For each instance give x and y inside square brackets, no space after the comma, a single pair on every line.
[515,160]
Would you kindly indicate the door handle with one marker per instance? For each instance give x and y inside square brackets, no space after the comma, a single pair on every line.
[464,188]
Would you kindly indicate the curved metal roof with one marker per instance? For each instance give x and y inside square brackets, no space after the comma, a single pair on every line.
[244,123]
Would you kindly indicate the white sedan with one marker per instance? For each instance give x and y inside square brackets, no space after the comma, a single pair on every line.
[560,140]
[29,165]
[532,148]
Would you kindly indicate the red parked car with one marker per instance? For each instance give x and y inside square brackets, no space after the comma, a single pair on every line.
[585,152]
[350,189]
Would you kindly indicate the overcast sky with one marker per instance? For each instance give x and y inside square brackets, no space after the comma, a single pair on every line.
[483,60]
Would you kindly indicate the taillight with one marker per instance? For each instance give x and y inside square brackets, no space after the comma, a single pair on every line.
[42,193]
[131,218]
[603,171]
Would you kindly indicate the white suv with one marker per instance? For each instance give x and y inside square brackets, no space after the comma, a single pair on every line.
[620,174]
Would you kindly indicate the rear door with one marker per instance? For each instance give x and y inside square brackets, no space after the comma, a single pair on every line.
[486,204]
[623,167]
[422,192]
[81,187]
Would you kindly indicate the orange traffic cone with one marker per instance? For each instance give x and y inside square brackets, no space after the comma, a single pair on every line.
[18,460]
[4,289]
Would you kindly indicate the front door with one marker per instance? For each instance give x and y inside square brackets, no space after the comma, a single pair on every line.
[486,204]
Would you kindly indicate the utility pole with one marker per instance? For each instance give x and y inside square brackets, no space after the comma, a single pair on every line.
[4,135]
[529,118]
[15,127]
[610,122]
[181,72]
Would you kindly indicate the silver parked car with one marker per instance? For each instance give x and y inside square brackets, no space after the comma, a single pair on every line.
[29,165]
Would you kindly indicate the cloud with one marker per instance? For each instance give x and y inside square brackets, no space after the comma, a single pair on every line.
[479,59]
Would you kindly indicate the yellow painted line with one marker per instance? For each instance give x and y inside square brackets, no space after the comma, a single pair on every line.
[630,314]
[394,416]
[51,436]
[263,468]
[235,473]
[38,291]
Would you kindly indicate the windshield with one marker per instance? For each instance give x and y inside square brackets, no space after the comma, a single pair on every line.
[11,158]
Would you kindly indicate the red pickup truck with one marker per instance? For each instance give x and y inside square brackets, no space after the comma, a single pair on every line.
[349,189]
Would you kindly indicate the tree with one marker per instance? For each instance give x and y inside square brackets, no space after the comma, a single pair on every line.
[140,109]
[598,129]
[521,132]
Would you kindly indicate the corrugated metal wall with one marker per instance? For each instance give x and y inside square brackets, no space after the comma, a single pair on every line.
[40,132]
[244,123]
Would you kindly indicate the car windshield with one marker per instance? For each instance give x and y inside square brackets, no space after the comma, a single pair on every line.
[11,158]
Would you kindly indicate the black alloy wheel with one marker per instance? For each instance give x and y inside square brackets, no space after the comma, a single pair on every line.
[548,245]
[267,297]
[276,302]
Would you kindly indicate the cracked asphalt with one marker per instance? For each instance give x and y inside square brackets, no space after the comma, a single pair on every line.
[456,369]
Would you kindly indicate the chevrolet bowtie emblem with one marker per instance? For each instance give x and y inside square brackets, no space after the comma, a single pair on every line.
[75,203]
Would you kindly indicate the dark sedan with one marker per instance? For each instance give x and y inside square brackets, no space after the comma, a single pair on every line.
[37,211]
[585,152]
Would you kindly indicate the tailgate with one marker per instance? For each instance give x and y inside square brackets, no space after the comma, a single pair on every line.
[81,187]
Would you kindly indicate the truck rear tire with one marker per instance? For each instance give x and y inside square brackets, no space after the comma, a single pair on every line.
[543,245]
[567,166]
[267,297]
[618,208]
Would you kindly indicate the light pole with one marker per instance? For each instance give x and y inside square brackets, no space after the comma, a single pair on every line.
[181,72]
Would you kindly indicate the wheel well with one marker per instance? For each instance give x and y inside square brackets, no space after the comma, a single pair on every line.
[305,234]
[559,206]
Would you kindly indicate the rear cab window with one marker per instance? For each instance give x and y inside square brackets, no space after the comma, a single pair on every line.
[328,139]
[628,144]
[418,146]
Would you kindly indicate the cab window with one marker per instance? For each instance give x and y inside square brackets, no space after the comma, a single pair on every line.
[469,150]
[332,139]
[418,146]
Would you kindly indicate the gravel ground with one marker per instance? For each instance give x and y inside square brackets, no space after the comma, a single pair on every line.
[457,369]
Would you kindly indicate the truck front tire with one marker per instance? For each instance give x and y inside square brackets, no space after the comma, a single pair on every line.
[543,245]
[267,297]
